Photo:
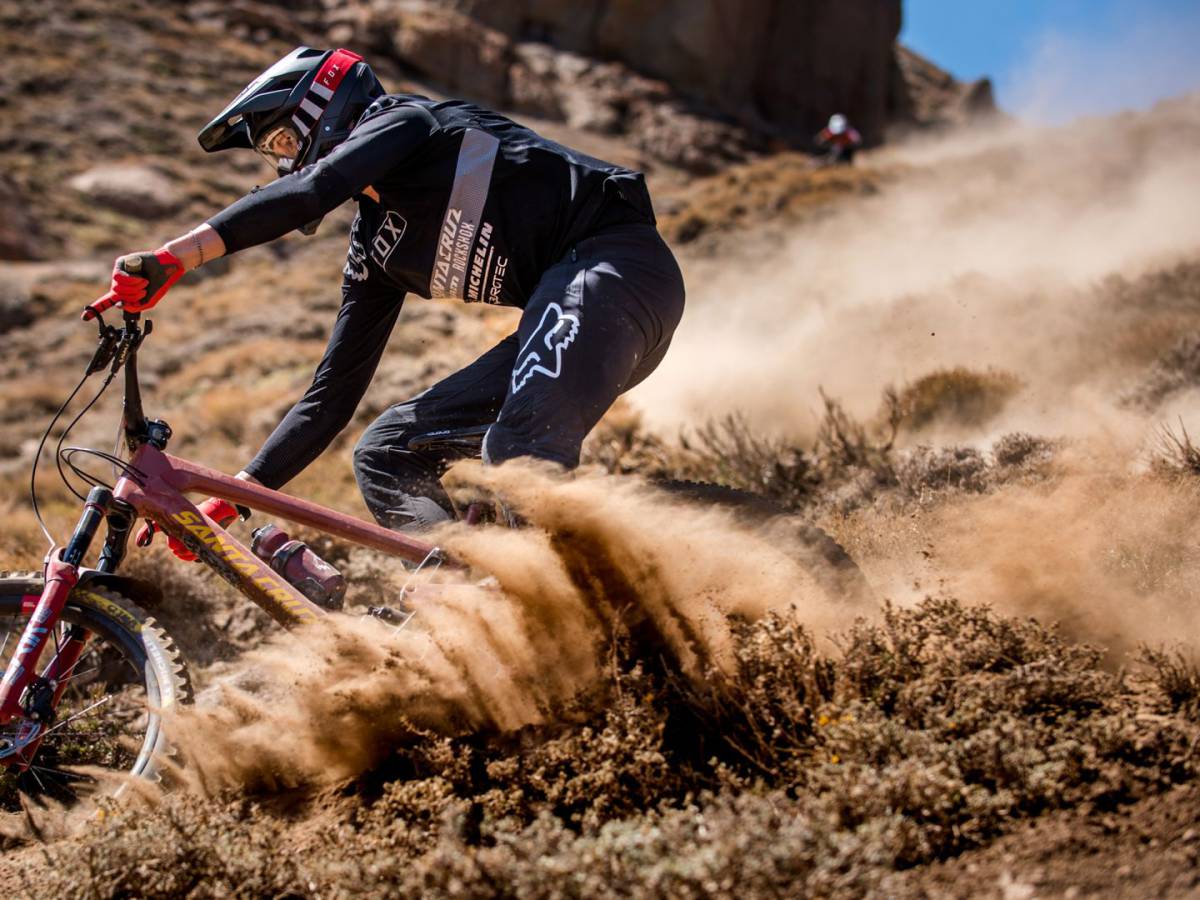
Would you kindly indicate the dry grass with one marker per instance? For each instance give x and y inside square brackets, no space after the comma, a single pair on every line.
[237,360]
[929,733]
[850,464]
[957,396]
[1175,453]
[786,187]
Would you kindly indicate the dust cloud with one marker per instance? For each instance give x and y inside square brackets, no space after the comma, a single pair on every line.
[604,557]
[987,252]
[993,249]
[1110,557]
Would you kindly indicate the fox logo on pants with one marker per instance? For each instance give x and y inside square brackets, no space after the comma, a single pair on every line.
[554,333]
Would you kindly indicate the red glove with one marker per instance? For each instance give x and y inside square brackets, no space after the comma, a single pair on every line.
[220,511]
[139,281]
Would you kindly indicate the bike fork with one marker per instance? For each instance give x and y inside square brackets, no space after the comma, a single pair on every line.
[34,697]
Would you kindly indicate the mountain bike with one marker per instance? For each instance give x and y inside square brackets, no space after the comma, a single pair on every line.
[88,672]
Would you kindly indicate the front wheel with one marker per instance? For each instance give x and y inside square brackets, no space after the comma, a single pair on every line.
[110,715]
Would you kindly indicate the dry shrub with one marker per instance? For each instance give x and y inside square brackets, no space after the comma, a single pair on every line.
[851,463]
[184,849]
[956,396]
[621,444]
[787,185]
[926,469]
[1175,454]
[929,732]
[729,452]
[1177,677]
[1176,370]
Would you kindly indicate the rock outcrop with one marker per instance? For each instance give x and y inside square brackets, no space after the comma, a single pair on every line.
[781,66]
[925,95]
[696,83]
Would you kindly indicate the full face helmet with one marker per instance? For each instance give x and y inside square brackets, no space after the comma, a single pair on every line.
[838,124]
[297,110]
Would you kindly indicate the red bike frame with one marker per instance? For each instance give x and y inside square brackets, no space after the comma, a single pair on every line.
[164,479]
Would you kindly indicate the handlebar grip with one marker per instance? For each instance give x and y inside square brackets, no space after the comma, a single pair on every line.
[130,265]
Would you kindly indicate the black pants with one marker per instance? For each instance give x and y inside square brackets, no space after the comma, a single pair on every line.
[598,322]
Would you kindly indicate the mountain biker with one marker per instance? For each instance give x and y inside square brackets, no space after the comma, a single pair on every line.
[840,140]
[453,201]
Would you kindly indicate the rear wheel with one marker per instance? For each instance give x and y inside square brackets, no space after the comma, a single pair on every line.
[110,715]
[821,556]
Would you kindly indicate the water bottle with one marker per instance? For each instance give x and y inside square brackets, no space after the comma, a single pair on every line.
[300,567]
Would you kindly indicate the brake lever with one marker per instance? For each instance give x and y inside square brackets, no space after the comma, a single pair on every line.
[106,349]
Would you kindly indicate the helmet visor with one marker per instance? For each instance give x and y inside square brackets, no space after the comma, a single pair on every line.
[280,146]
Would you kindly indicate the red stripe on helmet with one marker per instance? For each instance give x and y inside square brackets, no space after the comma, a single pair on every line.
[334,69]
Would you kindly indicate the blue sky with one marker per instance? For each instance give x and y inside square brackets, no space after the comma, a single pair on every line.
[1053,60]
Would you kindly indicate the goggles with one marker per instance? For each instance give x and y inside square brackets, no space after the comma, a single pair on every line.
[280,146]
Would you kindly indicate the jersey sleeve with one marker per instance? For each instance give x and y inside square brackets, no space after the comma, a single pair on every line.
[364,322]
[375,146]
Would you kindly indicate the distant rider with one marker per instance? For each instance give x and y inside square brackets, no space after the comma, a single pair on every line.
[453,201]
[839,140]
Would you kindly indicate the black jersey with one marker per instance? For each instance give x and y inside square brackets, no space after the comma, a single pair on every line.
[471,204]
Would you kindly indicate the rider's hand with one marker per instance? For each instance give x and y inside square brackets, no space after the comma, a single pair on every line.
[220,511]
[139,281]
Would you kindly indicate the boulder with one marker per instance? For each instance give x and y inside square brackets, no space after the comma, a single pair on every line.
[129,188]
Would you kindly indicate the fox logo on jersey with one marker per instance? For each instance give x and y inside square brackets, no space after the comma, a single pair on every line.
[391,229]
[554,334]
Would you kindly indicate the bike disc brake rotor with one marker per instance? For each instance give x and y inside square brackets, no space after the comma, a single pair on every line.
[101,720]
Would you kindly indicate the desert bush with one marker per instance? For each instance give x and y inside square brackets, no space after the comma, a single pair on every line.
[1175,370]
[1177,677]
[956,396]
[729,451]
[1020,449]
[844,443]
[621,445]
[1175,454]
[934,469]
[932,730]
[183,848]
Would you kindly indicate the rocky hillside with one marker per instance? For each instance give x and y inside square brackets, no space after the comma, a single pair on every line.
[968,358]
[692,84]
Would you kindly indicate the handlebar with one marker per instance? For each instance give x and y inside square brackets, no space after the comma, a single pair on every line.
[131,265]
[116,349]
